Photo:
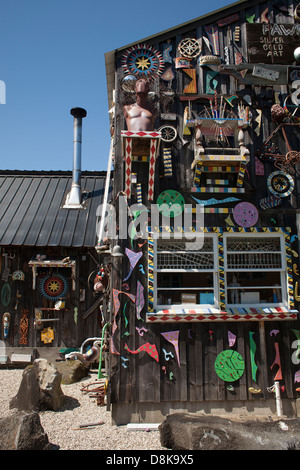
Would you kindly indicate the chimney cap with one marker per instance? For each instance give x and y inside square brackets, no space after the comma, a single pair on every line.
[78,112]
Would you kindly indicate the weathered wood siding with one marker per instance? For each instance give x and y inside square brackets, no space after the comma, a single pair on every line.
[138,378]
[71,330]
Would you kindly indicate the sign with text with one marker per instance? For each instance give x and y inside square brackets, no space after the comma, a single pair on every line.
[272,43]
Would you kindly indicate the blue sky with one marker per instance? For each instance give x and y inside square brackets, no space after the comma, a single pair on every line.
[52,59]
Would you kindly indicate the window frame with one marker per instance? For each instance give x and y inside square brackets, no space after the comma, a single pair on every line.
[283,270]
[214,271]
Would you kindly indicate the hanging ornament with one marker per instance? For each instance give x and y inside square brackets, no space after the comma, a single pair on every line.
[167,160]
[192,86]
[172,337]
[259,167]
[5,324]
[140,301]
[142,60]
[133,259]
[24,327]
[117,304]
[167,49]
[167,354]
[18,275]
[168,134]
[141,331]
[277,362]
[5,294]
[280,184]
[229,365]
[231,339]
[171,203]
[297,376]
[252,355]
[148,348]
[213,36]
[168,75]
[124,360]
[189,47]
[47,335]
[53,286]
[296,345]
[245,214]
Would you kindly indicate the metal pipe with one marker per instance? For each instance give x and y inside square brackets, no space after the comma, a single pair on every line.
[100,375]
[278,399]
[105,198]
[74,196]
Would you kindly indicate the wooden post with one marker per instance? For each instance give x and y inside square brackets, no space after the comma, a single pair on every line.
[263,349]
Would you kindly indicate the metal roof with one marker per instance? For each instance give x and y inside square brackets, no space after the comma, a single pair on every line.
[32,213]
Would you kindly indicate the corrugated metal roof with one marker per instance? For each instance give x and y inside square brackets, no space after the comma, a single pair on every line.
[32,213]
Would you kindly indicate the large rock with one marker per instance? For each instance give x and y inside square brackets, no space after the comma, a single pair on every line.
[183,431]
[23,431]
[72,371]
[40,388]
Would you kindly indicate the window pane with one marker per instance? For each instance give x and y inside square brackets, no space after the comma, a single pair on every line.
[257,296]
[181,296]
[253,287]
[185,288]
[202,280]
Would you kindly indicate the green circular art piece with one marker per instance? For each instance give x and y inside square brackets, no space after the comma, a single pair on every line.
[5,294]
[171,203]
[229,365]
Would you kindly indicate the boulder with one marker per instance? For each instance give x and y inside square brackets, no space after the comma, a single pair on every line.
[23,431]
[40,388]
[184,431]
[72,371]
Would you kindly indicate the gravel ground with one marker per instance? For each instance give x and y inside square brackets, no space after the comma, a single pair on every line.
[79,409]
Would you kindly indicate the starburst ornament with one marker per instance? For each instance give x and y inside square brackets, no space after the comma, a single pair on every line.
[142,60]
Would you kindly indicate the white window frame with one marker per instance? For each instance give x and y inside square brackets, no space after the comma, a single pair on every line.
[282,270]
[214,271]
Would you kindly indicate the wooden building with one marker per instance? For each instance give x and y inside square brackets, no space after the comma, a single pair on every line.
[205,125]
[48,262]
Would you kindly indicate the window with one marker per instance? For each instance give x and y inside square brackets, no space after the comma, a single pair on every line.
[185,273]
[255,269]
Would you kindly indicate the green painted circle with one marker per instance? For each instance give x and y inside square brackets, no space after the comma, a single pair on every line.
[229,365]
[5,294]
[170,198]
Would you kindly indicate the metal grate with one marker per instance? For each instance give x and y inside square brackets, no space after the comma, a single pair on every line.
[253,244]
[254,261]
[185,261]
[185,255]
[186,245]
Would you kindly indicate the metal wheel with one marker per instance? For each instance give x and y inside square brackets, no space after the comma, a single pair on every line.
[168,133]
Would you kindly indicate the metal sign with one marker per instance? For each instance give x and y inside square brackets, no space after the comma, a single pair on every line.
[272,43]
